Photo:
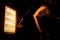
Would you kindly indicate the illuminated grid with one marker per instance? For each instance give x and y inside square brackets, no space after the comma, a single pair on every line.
[10,20]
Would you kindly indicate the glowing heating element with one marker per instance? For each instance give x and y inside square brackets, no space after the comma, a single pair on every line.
[10,20]
[35,16]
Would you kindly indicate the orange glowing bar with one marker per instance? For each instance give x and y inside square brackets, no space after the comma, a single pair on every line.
[10,20]
[35,17]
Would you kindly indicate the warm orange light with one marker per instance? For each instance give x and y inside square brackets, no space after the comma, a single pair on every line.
[35,16]
[10,20]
